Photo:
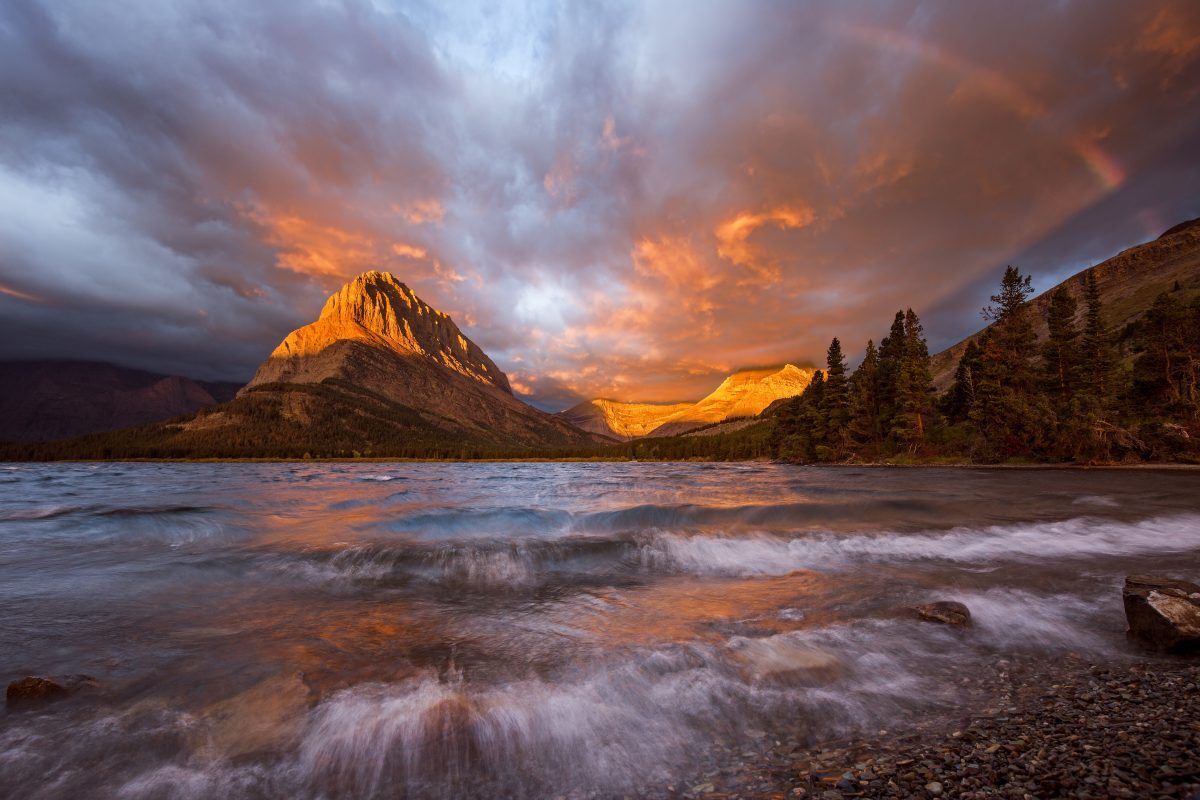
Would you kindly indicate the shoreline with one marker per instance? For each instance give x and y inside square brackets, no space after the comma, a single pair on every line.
[1068,728]
[1167,466]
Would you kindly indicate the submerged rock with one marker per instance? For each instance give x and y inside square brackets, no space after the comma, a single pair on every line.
[1163,613]
[779,659]
[947,612]
[265,717]
[34,691]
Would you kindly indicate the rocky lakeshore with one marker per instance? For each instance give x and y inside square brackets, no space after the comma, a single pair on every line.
[262,631]
[1071,730]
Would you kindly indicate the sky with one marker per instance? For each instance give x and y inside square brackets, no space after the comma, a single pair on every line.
[627,200]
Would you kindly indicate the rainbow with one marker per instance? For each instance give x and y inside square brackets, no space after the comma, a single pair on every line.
[1106,169]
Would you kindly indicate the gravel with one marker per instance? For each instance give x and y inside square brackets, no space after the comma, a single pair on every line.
[1084,731]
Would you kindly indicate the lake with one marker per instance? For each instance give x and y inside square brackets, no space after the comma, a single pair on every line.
[533,629]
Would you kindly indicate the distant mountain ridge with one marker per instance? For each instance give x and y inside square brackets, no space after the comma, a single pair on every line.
[743,394]
[379,373]
[52,399]
[375,336]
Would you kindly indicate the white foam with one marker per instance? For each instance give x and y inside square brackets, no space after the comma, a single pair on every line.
[761,554]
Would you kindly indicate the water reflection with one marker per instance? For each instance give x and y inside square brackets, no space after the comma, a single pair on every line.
[296,630]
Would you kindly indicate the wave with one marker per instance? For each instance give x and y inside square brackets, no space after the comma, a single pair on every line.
[513,562]
[771,555]
[492,565]
[530,521]
[51,512]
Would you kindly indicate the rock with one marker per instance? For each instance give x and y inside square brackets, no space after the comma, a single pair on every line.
[742,395]
[266,716]
[376,339]
[947,612]
[34,691]
[780,659]
[1163,613]
[934,788]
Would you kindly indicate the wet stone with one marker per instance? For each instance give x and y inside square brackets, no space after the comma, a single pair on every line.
[1163,613]
[36,691]
[946,612]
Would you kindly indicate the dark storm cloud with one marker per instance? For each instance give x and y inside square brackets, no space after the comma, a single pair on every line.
[624,200]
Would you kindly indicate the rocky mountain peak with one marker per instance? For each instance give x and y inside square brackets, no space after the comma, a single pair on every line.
[743,394]
[378,309]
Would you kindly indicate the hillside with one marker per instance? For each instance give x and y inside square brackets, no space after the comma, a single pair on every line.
[742,394]
[379,373]
[1128,282]
[43,400]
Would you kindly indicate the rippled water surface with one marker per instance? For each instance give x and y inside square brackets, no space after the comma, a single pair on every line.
[450,630]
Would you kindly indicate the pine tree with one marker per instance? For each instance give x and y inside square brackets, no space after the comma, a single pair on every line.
[1167,370]
[891,351]
[1097,347]
[800,426]
[1060,354]
[864,399]
[1015,289]
[836,398]
[1010,414]
[960,398]
[914,387]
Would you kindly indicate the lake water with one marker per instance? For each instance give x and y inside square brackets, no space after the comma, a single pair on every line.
[449,630]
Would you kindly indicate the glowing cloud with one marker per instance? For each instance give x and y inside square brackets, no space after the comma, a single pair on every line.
[421,212]
[673,260]
[733,238]
[408,250]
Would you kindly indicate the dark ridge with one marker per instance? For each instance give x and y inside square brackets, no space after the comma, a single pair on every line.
[1180,228]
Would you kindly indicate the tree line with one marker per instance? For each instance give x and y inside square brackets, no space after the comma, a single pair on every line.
[1082,394]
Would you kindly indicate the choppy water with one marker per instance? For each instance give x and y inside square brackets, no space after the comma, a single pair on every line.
[325,630]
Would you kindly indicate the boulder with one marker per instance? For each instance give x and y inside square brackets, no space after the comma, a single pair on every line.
[34,691]
[1163,613]
[779,659]
[947,612]
[267,716]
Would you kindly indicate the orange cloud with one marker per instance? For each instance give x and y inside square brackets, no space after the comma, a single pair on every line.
[673,259]
[609,137]
[733,238]
[408,250]
[1170,36]
[313,248]
[421,212]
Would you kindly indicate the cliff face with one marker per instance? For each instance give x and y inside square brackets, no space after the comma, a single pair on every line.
[742,394]
[376,338]
[379,311]
[622,420]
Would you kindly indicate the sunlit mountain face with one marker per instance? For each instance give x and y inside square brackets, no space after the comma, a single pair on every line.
[622,200]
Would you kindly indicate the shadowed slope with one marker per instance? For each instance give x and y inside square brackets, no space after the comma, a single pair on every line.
[43,400]
[1128,282]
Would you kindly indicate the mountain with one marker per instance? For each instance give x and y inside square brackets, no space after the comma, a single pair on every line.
[379,373]
[375,336]
[1128,283]
[375,312]
[742,394]
[43,400]
[621,420]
